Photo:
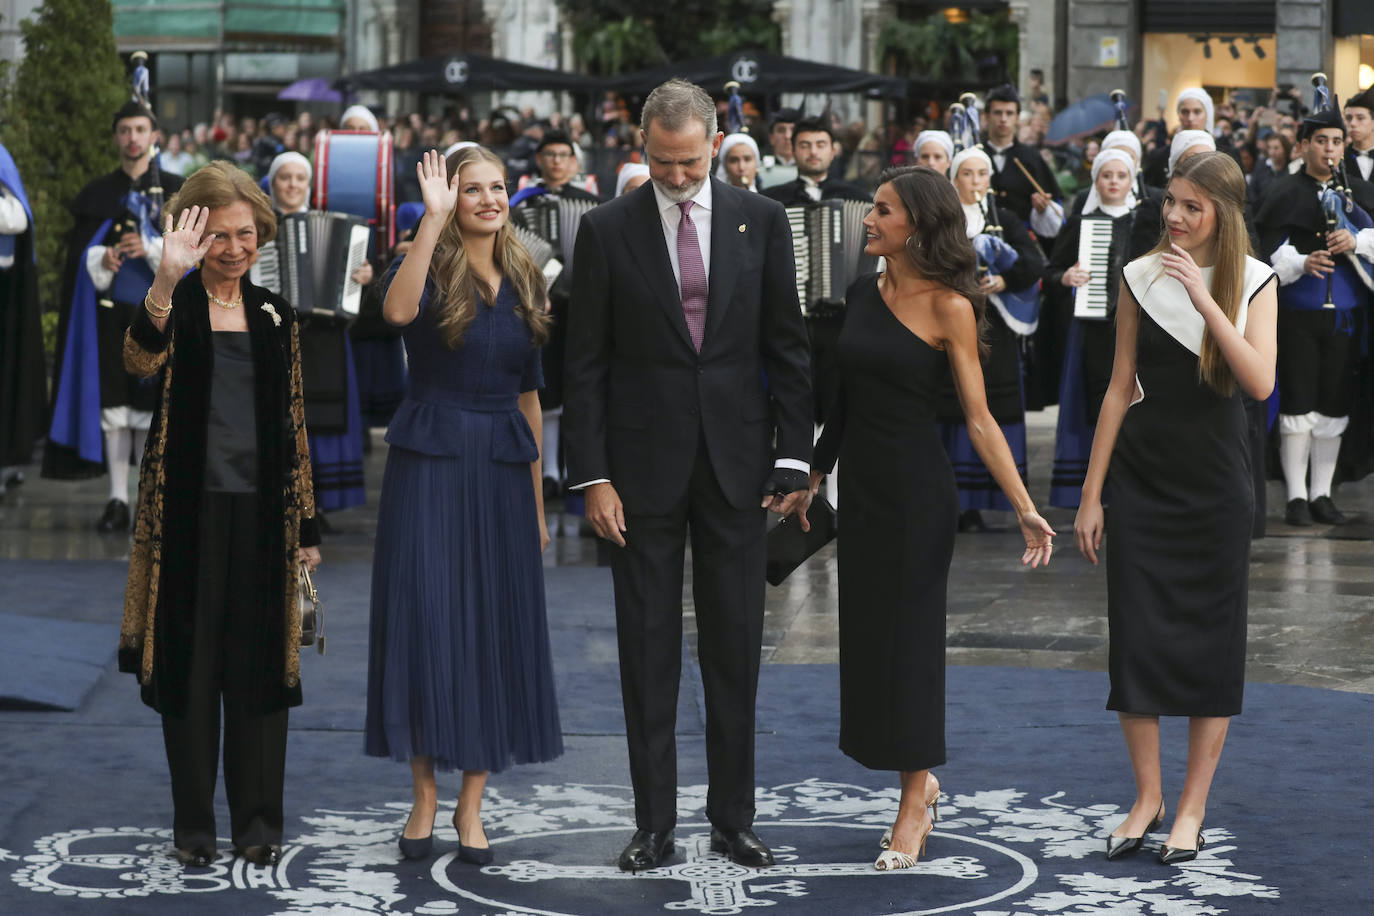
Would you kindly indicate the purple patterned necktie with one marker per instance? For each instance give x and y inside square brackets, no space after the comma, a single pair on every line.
[693,271]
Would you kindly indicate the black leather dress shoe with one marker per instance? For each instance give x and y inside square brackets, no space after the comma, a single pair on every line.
[742,846]
[114,518]
[1324,510]
[646,850]
[266,854]
[194,858]
[1297,514]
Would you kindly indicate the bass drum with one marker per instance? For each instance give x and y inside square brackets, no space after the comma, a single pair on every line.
[354,174]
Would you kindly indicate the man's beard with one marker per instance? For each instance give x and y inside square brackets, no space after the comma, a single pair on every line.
[679,195]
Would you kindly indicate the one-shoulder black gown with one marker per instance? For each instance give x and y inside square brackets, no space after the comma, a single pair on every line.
[898,513]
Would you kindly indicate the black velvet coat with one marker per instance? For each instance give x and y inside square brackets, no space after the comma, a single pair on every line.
[157,633]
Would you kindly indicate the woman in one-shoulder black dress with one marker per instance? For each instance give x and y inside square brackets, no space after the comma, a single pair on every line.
[1174,432]
[903,335]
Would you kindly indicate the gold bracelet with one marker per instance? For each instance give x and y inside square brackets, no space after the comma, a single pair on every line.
[157,311]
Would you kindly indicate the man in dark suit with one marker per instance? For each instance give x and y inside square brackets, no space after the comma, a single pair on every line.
[1015,192]
[814,145]
[687,406]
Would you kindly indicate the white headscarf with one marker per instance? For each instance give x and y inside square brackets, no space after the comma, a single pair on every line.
[627,171]
[282,159]
[972,152]
[1185,140]
[1094,201]
[1124,139]
[934,136]
[360,111]
[974,222]
[1201,96]
[733,140]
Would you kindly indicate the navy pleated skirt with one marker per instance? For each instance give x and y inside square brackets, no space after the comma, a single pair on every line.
[459,666]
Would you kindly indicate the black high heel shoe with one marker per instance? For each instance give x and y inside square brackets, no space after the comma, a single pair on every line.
[1173,855]
[473,855]
[1118,846]
[418,848]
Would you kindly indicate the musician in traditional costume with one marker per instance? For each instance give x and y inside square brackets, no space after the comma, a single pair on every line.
[23,387]
[1320,242]
[1009,267]
[1359,124]
[1035,198]
[934,149]
[101,413]
[738,162]
[1087,369]
[556,156]
[814,145]
[779,166]
[332,405]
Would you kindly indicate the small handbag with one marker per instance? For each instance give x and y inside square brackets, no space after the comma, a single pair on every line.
[311,609]
[788,546]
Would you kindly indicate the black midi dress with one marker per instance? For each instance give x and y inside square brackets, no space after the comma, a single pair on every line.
[899,509]
[1179,519]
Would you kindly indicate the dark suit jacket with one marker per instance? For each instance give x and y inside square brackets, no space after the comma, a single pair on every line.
[638,395]
[793,193]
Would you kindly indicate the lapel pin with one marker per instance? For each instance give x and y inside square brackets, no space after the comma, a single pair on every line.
[741,227]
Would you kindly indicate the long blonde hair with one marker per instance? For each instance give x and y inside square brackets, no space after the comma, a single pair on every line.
[460,290]
[1218,177]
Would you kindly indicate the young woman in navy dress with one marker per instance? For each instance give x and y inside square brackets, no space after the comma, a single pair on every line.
[1195,327]
[459,670]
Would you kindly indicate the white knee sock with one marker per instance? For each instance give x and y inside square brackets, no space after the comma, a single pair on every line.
[117,442]
[1326,447]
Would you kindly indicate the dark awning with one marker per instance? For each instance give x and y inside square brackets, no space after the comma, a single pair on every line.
[762,72]
[455,73]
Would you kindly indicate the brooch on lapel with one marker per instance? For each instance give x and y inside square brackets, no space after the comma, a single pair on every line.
[741,227]
[276,319]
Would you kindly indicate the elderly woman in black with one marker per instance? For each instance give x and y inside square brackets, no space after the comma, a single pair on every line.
[225,514]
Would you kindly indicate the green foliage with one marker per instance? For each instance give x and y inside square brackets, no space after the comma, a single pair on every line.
[55,118]
[615,36]
[936,48]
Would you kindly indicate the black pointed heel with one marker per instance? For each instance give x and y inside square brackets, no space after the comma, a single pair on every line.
[418,848]
[1173,855]
[1118,846]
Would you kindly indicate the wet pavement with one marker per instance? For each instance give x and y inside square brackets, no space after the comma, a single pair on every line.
[1311,590]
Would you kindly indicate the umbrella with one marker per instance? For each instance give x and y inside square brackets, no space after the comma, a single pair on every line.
[1092,115]
[316,89]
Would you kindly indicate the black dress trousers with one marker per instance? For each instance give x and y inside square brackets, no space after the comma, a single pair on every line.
[254,745]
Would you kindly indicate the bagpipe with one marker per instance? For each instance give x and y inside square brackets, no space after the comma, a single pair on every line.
[1020,309]
[1338,202]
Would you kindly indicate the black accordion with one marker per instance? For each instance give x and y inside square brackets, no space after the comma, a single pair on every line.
[312,260]
[554,219]
[828,239]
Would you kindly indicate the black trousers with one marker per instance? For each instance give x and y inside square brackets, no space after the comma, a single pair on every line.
[254,745]
[727,588]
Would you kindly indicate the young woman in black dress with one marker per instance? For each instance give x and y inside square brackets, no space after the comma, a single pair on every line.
[1195,326]
[904,334]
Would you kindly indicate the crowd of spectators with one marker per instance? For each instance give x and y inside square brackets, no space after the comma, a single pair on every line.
[1261,137]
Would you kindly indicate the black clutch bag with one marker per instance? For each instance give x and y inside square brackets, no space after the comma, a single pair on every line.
[789,546]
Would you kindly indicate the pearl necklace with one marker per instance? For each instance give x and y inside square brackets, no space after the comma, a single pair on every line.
[238,300]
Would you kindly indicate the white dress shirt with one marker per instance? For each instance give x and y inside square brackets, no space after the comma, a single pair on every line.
[671,214]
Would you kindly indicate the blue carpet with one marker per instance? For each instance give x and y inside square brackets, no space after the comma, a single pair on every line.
[1037,776]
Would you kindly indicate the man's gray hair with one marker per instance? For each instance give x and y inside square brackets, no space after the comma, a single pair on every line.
[674,103]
